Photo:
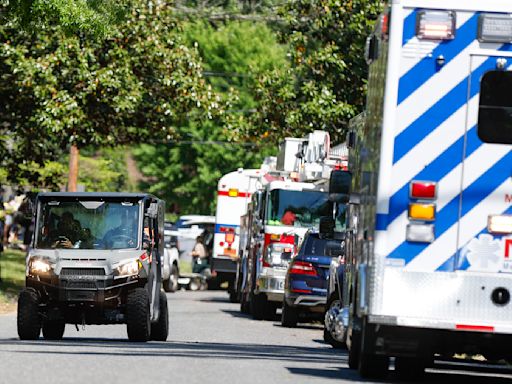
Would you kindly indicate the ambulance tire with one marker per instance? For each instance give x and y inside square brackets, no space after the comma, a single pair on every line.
[410,368]
[371,365]
[354,352]
[28,319]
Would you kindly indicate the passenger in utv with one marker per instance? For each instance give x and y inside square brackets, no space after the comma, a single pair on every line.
[68,232]
[125,234]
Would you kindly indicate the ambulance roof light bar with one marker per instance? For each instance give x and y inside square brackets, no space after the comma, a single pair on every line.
[435,25]
[495,28]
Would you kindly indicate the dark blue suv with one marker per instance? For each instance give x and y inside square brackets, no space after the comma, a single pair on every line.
[306,278]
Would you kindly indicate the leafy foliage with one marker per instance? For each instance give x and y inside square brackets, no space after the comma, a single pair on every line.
[325,85]
[94,17]
[141,84]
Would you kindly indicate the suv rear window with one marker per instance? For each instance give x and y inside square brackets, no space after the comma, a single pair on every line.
[495,110]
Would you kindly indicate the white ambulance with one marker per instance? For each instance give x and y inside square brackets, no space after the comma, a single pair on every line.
[428,265]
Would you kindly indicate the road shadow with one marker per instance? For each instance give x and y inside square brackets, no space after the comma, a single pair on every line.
[121,347]
[237,314]
[216,299]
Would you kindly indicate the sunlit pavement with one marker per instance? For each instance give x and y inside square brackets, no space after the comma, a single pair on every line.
[210,342]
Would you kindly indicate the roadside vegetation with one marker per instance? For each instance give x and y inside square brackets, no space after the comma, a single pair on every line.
[12,273]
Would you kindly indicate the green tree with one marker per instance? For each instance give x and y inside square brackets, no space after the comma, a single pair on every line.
[326,83]
[140,85]
[93,17]
[186,173]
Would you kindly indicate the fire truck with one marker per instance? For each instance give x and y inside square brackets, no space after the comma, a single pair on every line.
[233,195]
[429,241]
[290,201]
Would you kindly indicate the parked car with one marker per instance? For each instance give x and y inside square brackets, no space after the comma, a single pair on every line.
[188,227]
[170,265]
[306,280]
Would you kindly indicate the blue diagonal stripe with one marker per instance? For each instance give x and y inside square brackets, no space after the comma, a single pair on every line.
[449,215]
[440,111]
[435,171]
[409,27]
[427,67]
[462,263]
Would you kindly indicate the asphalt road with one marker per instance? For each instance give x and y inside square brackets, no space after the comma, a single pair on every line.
[210,342]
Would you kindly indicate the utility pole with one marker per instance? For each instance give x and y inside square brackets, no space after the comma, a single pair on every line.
[73,168]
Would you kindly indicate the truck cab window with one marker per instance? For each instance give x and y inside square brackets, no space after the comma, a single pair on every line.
[495,110]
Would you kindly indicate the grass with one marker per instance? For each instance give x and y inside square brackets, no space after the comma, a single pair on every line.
[12,273]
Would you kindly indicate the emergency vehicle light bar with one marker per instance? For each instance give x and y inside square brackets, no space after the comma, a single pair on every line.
[500,224]
[435,25]
[495,28]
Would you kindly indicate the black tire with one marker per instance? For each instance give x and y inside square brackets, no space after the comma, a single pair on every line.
[260,307]
[233,297]
[410,368]
[354,352]
[289,316]
[328,338]
[28,319]
[371,365]
[245,306]
[160,329]
[53,329]
[171,284]
[138,322]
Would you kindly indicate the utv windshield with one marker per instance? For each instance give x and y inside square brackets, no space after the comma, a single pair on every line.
[87,225]
[299,208]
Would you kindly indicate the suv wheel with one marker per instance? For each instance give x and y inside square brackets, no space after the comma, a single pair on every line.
[29,321]
[160,329]
[290,316]
[171,284]
[138,322]
[53,329]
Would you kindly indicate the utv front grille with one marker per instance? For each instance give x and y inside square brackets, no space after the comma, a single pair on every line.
[82,272]
[81,285]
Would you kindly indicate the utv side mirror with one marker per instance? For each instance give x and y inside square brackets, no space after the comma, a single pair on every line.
[339,186]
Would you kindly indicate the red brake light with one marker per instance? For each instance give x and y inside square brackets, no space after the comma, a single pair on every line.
[302,268]
[423,190]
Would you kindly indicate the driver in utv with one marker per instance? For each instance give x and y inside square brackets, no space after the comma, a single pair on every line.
[89,265]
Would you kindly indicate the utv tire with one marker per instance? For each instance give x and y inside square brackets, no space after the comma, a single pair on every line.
[53,329]
[138,322]
[289,316]
[160,329]
[171,284]
[28,319]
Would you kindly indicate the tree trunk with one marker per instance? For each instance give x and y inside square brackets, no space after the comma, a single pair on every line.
[73,168]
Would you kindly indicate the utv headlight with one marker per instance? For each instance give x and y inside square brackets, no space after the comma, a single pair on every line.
[129,268]
[38,266]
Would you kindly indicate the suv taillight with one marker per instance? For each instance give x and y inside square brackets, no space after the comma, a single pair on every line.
[302,268]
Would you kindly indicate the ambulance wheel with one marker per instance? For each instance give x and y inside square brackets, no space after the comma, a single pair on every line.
[53,329]
[354,351]
[160,329]
[289,316]
[28,319]
[138,324]
[371,365]
[410,368]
